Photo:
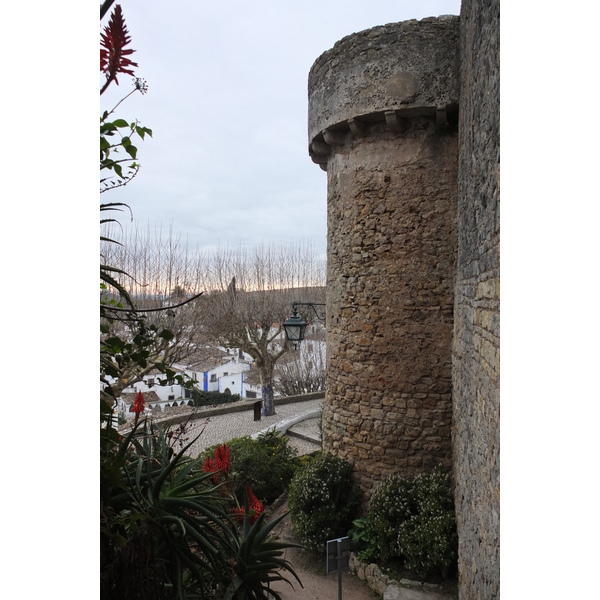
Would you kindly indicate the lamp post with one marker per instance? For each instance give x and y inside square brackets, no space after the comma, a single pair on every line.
[295,326]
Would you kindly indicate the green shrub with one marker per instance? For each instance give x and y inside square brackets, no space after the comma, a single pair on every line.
[391,504]
[267,463]
[428,539]
[414,522]
[280,466]
[323,501]
[201,398]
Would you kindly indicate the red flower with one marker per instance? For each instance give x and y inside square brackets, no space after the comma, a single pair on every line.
[209,465]
[253,501]
[220,464]
[113,56]
[222,458]
[255,505]
[138,405]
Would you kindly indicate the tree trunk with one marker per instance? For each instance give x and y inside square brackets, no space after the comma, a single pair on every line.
[267,400]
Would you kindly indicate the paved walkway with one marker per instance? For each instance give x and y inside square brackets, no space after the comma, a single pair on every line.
[221,428]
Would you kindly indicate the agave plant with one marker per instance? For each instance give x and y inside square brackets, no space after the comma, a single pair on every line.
[167,530]
[259,559]
[167,509]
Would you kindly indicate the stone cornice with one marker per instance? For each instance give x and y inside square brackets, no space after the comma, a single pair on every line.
[387,74]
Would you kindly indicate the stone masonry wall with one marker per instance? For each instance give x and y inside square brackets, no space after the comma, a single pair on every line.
[381,107]
[390,269]
[413,292]
[476,361]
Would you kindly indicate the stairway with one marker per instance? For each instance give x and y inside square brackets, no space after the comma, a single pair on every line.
[305,435]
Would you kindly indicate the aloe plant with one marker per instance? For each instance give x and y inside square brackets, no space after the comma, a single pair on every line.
[259,559]
[166,504]
[168,532]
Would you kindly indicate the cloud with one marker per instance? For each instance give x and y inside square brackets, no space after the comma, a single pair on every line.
[227,103]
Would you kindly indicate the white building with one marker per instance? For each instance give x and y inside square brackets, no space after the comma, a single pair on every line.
[218,370]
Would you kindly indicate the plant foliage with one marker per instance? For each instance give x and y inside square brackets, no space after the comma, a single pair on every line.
[164,524]
[201,398]
[413,522]
[363,536]
[323,501]
[172,528]
[259,560]
[268,463]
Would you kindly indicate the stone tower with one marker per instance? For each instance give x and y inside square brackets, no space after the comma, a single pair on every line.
[383,114]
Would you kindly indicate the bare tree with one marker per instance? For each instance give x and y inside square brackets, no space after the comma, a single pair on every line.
[302,371]
[247,294]
[164,337]
[157,271]
[155,262]
[256,291]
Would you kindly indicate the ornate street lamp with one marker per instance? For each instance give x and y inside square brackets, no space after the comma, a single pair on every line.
[295,326]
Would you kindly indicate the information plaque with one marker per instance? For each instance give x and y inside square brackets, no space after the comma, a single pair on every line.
[338,554]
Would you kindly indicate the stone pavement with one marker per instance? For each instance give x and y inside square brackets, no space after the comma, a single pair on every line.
[221,428]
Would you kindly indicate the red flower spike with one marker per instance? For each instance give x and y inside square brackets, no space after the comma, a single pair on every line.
[254,503]
[222,458]
[113,56]
[209,466]
[138,405]
[255,507]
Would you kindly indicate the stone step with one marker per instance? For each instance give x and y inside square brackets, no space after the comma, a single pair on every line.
[307,430]
[303,435]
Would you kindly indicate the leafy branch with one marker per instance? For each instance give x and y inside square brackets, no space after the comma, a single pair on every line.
[109,147]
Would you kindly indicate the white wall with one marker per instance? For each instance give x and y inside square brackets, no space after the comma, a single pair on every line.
[234,380]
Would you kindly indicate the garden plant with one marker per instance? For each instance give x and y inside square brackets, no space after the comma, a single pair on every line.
[267,463]
[172,528]
[323,501]
[411,524]
[201,398]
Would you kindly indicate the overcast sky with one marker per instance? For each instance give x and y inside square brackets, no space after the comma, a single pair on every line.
[227,102]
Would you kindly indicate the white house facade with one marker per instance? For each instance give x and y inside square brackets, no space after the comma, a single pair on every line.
[225,372]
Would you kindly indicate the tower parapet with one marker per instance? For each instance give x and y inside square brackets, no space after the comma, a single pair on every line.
[386,74]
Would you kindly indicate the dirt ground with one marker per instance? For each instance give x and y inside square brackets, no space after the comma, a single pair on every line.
[318,585]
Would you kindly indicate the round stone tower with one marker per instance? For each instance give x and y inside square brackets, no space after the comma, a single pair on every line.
[383,110]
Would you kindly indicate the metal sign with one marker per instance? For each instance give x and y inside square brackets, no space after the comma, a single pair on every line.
[338,558]
[338,554]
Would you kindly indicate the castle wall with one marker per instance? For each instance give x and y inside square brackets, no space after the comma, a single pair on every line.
[413,290]
[381,108]
[476,360]
[390,269]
